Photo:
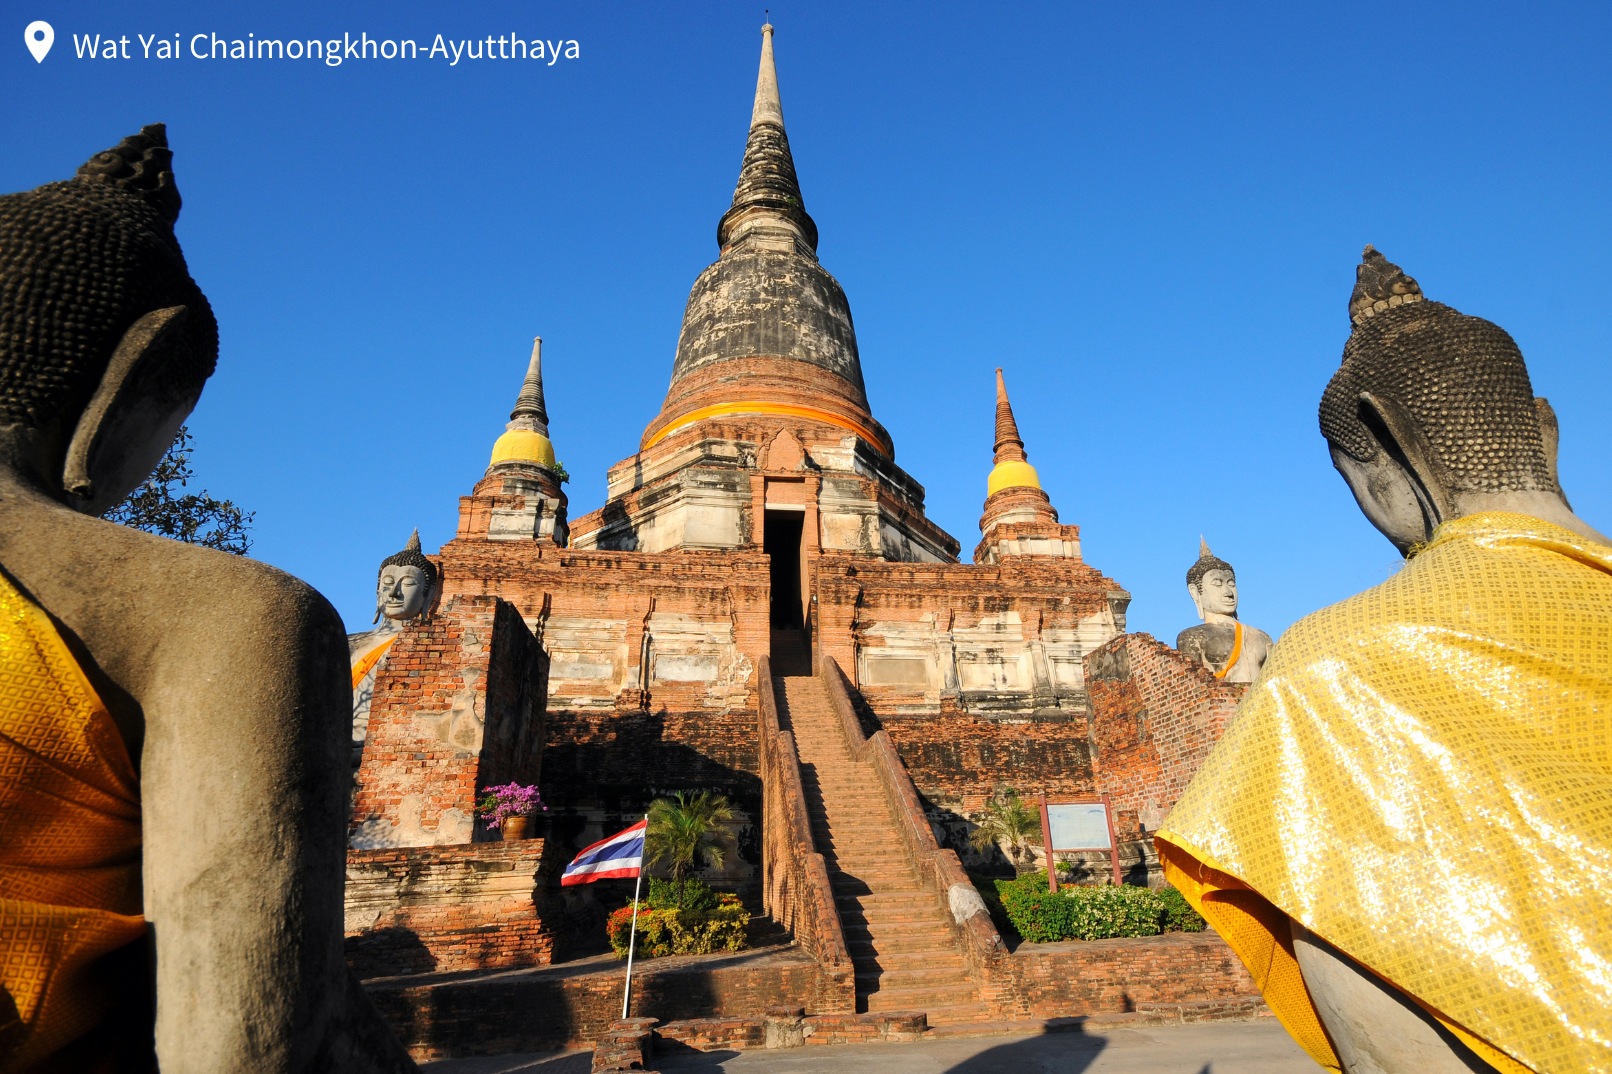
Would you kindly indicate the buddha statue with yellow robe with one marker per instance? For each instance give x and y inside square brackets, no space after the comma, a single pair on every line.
[173,720]
[1406,831]
[1227,648]
[405,590]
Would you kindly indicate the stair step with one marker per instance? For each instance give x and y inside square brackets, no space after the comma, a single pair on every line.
[920,999]
[892,979]
[963,1014]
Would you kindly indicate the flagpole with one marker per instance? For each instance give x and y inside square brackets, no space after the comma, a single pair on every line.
[632,940]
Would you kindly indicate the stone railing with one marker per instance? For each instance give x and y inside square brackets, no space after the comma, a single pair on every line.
[940,868]
[794,878]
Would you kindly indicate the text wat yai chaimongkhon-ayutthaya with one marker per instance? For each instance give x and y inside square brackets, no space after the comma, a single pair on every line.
[761,607]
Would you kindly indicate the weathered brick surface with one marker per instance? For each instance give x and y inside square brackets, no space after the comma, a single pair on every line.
[795,881]
[784,1028]
[559,1006]
[445,909]
[1103,976]
[629,1044]
[1155,717]
[958,760]
[458,705]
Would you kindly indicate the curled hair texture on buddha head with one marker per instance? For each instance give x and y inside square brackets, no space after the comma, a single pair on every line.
[80,262]
[1207,561]
[1460,380]
[411,556]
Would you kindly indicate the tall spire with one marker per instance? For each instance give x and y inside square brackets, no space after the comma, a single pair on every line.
[769,108]
[525,440]
[530,412]
[1012,469]
[767,197]
[1009,447]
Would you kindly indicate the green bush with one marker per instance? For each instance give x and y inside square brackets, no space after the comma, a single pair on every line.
[671,931]
[1092,913]
[690,894]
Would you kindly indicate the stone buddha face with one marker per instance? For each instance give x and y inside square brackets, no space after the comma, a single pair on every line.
[402,591]
[1215,593]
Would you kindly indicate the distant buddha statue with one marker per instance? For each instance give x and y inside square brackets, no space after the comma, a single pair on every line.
[405,589]
[1406,830]
[172,721]
[1232,651]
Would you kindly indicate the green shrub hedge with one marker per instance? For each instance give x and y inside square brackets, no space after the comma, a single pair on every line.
[1179,916]
[1095,913]
[686,919]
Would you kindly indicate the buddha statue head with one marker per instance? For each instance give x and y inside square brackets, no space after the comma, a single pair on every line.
[1431,414]
[407,585]
[105,340]
[1212,584]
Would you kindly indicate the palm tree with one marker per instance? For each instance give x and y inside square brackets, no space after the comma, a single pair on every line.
[686,827]
[1007,819]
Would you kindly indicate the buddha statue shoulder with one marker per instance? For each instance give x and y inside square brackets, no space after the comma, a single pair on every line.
[1231,651]
[406,590]
[172,719]
[1404,830]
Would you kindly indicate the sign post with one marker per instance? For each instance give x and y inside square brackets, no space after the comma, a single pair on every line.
[1076,824]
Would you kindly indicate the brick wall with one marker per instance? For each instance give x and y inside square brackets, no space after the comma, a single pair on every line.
[1110,976]
[1155,716]
[444,909]
[548,1009]
[457,706]
[958,760]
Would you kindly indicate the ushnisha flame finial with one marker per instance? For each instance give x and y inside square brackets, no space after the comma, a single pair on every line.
[1380,285]
[141,164]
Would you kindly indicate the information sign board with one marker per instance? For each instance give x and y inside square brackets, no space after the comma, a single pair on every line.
[1077,824]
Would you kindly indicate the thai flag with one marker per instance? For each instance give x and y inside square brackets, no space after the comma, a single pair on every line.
[609,859]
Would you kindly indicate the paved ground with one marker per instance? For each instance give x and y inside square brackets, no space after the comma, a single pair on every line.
[1261,1047]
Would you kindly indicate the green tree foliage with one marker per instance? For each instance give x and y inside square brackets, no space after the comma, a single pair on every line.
[161,506]
[686,827]
[1007,820]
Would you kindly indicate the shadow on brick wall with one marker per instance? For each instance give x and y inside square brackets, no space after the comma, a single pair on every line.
[388,952]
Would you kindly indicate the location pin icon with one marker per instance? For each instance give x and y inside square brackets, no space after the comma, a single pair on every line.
[40,37]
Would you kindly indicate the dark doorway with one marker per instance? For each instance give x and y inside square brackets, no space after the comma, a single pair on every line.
[781,541]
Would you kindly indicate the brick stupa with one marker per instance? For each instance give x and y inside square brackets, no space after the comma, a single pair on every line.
[760,591]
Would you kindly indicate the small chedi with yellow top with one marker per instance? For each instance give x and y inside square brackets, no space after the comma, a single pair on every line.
[1406,832]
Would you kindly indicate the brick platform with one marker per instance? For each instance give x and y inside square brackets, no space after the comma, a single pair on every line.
[573,1005]
[445,909]
[1120,976]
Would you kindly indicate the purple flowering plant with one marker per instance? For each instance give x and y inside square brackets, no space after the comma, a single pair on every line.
[499,803]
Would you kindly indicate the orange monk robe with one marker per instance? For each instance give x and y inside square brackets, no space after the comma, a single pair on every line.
[69,848]
[1422,776]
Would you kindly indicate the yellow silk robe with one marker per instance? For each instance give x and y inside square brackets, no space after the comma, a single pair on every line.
[1422,776]
[69,856]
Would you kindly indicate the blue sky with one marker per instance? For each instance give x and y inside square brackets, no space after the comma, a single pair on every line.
[1148,214]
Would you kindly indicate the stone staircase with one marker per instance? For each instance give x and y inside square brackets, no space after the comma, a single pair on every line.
[899,938]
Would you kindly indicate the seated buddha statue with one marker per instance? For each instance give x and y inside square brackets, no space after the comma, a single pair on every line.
[173,728]
[405,590]
[1232,651]
[1406,830]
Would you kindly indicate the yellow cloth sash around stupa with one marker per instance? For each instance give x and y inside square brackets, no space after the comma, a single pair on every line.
[69,842]
[1422,776]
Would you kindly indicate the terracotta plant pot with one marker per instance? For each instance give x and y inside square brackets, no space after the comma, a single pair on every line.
[515,827]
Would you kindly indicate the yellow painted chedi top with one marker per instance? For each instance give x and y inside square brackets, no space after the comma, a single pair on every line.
[1011,475]
[69,844]
[523,445]
[1422,776]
